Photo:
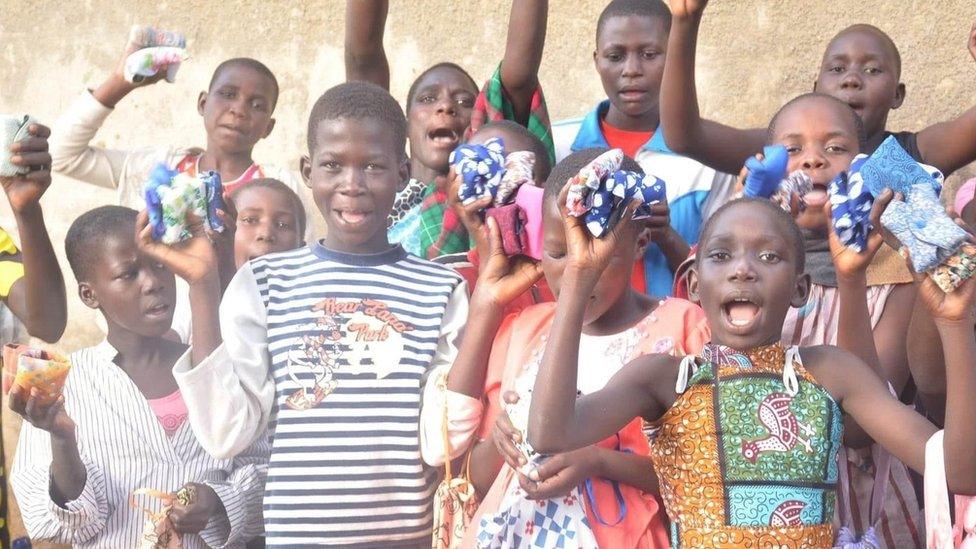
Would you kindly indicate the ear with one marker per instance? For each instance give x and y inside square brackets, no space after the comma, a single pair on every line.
[305,166]
[815,85]
[801,291]
[900,92]
[404,170]
[87,295]
[201,102]
[693,295]
[271,126]
[594,57]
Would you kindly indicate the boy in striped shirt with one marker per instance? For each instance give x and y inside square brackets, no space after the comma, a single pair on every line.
[332,344]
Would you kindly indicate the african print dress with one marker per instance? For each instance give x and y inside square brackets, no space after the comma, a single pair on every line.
[747,455]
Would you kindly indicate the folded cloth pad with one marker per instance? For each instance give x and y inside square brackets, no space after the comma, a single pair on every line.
[14,129]
[171,195]
[931,237]
[520,223]
[764,176]
[851,203]
[34,369]
[601,189]
[890,167]
[487,171]
[149,37]
[147,62]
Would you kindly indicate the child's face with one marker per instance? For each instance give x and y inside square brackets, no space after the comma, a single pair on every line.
[133,291]
[614,283]
[354,172]
[237,109]
[859,68]
[630,59]
[822,140]
[438,116]
[745,278]
[513,142]
[266,223]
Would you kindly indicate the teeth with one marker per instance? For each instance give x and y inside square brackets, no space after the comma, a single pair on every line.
[740,322]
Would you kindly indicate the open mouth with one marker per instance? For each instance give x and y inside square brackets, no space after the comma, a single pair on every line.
[353,217]
[157,310]
[444,137]
[632,94]
[741,312]
[816,197]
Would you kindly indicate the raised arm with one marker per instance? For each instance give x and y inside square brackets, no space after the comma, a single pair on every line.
[721,147]
[38,297]
[951,145]
[523,54]
[364,54]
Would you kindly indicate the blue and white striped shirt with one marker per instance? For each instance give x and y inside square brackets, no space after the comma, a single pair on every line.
[334,349]
[124,447]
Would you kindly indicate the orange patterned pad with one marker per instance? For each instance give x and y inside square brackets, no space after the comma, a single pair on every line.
[35,368]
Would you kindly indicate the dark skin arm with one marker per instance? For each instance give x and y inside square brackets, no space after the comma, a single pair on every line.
[364,54]
[950,145]
[721,147]
[523,54]
[38,298]
[927,362]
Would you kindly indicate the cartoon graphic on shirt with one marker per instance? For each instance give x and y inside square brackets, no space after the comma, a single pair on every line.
[783,426]
[360,337]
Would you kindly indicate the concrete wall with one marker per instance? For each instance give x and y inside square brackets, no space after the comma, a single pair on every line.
[754,55]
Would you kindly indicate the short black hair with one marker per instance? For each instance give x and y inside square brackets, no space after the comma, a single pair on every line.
[91,230]
[279,187]
[774,210]
[882,35]
[442,65]
[252,64]
[572,164]
[543,166]
[655,9]
[858,123]
[359,101]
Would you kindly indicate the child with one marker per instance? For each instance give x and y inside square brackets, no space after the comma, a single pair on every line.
[443,102]
[31,286]
[620,324]
[631,45]
[121,423]
[336,339]
[747,434]
[861,66]
[237,111]
[265,216]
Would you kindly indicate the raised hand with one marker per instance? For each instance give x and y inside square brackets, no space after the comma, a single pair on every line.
[687,8]
[192,260]
[25,191]
[51,418]
[848,262]
[193,518]
[587,253]
[130,48]
[501,279]
[470,214]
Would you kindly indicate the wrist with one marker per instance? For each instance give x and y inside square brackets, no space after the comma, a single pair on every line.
[857,279]
[65,440]
[112,90]
[486,307]
[578,277]
[692,18]
[954,324]
[597,462]
[28,213]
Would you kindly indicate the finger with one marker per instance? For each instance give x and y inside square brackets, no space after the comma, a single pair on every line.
[475,207]
[30,145]
[624,221]
[31,159]
[494,238]
[509,452]
[33,407]
[548,468]
[41,176]
[39,130]
[17,400]
[528,486]
[880,205]
[143,230]
[511,397]
[504,424]
[195,224]
[229,221]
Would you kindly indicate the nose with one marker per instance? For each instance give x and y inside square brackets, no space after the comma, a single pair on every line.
[447,105]
[851,81]
[353,184]
[813,159]
[742,270]
[151,279]
[265,233]
[632,66]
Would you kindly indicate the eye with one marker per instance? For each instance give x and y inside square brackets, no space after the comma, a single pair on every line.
[283,225]
[769,257]
[259,106]
[873,70]
[374,166]
[128,274]
[836,149]
[836,69]
[792,149]
[249,219]
[466,101]
[427,98]
[329,164]
[556,254]
[719,255]
[651,55]
[227,94]
[614,56]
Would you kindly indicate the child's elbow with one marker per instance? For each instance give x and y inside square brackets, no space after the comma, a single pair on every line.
[46,329]
[544,443]
[678,143]
[962,487]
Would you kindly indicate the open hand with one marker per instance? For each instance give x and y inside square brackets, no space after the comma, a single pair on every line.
[25,191]
[559,474]
[193,518]
[585,252]
[470,215]
[847,262]
[501,279]
[192,260]
[51,418]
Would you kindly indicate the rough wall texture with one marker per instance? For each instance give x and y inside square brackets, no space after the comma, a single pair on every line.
[754,55]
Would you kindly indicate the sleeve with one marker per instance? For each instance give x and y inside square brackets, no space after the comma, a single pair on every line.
[242,494]
[464,412]
[70,144]
[79,521]
[229,395]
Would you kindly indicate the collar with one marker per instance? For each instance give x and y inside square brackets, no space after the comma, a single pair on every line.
[105,351]
[392,255]
[590,134]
